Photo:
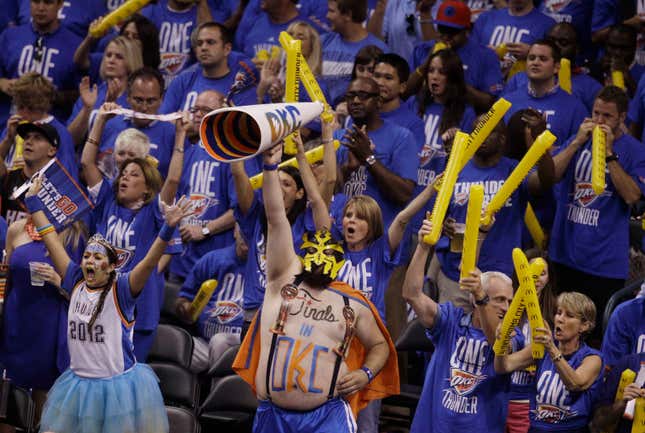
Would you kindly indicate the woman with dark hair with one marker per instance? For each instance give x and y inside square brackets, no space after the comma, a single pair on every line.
[128,214]
[140,28]
[105,389]
[442,104]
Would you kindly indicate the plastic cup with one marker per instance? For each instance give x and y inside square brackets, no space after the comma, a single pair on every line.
[36,279]
[457,241]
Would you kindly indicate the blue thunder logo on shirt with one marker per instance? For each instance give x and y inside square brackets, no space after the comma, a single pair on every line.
[121,235]
[550,399]
[583,194]
[466,373]
[462,191]
[202,197]
[174,45]
[228,306]
[553,8]
[358,276]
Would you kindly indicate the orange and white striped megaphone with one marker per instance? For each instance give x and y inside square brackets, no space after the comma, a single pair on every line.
[236,133]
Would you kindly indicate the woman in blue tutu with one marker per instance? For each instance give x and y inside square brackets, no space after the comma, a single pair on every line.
[105,389]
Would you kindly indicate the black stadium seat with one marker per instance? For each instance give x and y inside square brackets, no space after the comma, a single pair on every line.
[182,420]
[179,386]
[20,410]
[172,345]
[230,406]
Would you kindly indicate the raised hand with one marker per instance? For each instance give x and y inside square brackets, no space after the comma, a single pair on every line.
[88,92]
[180,209]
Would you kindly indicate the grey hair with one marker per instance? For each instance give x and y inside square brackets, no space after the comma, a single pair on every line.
[133,138]
[487,276]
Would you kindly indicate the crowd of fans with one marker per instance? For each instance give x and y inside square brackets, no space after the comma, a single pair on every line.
[402,77]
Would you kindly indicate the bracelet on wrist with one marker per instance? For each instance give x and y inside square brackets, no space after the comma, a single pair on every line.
[92,141]
[179,149]
[557,357]
[166,232]
[270,167]
[369,373]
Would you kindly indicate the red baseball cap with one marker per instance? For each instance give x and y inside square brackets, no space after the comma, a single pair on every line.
[453,13]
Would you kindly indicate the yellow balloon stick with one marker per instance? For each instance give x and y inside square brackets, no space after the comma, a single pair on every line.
[564,75]
[626,377]
[121,13]
[516,309]
[501,50]
[483,128]
[309,81]
[598,162]
[534,227]
[448,183]
[201,299]
[471,234]
[638,425]
[618,79]
[439,46]
[292,76]
[314,155]
[541,144]
[527,285]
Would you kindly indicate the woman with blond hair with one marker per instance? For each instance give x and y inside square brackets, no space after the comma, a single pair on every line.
[121,57]
[569,376]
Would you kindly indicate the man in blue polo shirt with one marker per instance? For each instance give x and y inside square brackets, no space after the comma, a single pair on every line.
[43,46]
[218,69]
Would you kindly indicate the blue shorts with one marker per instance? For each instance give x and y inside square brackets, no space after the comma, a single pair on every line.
[335,416]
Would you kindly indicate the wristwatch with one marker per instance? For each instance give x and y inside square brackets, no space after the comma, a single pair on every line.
[370,160]
[611,157]
[205,231]
[483,301]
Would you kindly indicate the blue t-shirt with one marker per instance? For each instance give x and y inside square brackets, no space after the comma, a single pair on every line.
[75,15]
[184,89]
[338,61]
[161,135]
[607,13]
[564,113]
[400,32]
[461,391]
[406,117]
[481,64]
[369,270]
[578,13]
[498,26]
[221,10]
[634,362]
[175,28]
[253,227]
[264,34]
[625,334]
[8,13]
[637,106]
[223,312]
[591,233]
[132,234]
[497,249]
[396,149]
[209,186]
[522,381]
[583,86]
[19,56]
[553,407]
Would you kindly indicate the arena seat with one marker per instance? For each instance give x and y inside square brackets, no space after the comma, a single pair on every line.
[182,420]
[229,407]
[20,410]
[224,365]
[179,386]
[172,345]
[624,294]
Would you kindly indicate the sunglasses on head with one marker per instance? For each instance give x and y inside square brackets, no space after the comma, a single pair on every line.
[409,29]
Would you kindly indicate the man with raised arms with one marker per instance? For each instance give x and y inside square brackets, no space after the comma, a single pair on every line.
[300,354]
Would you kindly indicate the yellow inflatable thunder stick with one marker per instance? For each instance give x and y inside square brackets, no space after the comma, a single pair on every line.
[638,425]
[618,79]
[626,377]
[527,284]
[314,155]
[311,85]
[292,76]
[471,235]
[518,65]
[542,143]
[534,227]
[564,75]
[118,15]
[598,162]
[481,131]
[522,297]
[439,46]
[447,185]
[201,299]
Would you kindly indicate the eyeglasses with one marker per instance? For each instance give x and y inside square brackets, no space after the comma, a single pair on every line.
[410,19]
[197,109]
[39,49]
[148,101]
[363,96]
[447,30]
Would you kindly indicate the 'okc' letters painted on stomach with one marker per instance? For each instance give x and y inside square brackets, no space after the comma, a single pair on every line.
[294,355]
